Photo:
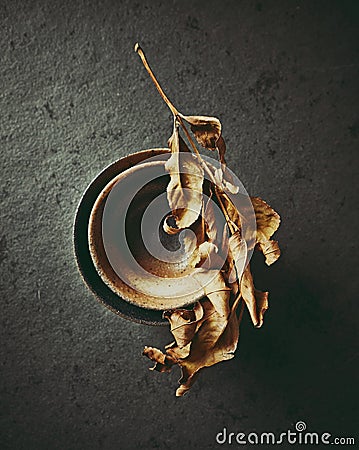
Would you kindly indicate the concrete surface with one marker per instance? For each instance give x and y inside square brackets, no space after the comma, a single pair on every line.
[283,78]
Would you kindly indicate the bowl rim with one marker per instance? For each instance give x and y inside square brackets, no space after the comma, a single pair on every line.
[86,267]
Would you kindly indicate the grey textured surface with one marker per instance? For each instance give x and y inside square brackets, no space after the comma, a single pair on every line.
[283,78]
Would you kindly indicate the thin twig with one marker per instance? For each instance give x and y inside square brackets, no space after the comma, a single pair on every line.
[139,50]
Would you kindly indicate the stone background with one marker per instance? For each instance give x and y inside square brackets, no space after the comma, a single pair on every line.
[283,78]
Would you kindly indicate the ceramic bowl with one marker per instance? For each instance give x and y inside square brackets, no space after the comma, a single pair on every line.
[133,267]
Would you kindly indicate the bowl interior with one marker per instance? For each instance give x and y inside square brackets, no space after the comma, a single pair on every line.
[132,254]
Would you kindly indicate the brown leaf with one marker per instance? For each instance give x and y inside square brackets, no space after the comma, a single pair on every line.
[215,341]
[163,363]
[209,217]
[206,256]
[175,352]
[237,257]
[207,130]
[200,242]
[219,294]
[268,222]
[256,301]
[216,235]
[184,323]
[262,305]
[224,179]
[221,147]
[270,250]
[184,191]
[229,338]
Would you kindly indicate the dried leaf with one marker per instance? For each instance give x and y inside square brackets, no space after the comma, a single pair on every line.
[200,255]
[237,257]
[208,250]
[219,294]
[262,305]
[256,301]
[224,180]
[229,339]
[207,130]
[221,147]
[199,227]
[163,363]
[184,191]
[268,222]
[176,353]
[184,323]
[270,250]
[216,233]
[215,341]
[209,221]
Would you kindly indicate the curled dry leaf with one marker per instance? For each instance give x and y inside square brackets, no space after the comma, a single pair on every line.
[184,323]
[268,222]
[218,294]
[214,288]
[221,147]
[270,250]
[206,335]
[267,219]
[204,256]
[216,230]
[198,247]
[225,180]
[163,361]
[262,305]
[209,247]
[237,257]
[256,301]
[184,191]
[207,130]
[215,341]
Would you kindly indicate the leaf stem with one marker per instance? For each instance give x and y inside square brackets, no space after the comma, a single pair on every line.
[141,54]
